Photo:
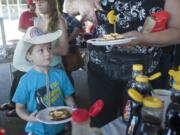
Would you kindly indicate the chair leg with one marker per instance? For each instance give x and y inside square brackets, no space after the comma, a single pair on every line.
[10,73]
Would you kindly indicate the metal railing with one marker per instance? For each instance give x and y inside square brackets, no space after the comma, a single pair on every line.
[3,35]
[12,11]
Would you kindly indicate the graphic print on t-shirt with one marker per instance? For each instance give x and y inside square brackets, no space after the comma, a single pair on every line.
[42,97]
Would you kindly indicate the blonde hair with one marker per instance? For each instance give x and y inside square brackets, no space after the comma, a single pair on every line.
[53,14]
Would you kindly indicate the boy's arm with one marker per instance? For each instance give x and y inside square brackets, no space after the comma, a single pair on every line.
[69,100]
[23,114]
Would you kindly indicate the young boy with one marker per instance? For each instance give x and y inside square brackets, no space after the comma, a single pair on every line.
[41,86]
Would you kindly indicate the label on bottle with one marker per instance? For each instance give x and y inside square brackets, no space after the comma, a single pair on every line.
[127,111]
[132,125]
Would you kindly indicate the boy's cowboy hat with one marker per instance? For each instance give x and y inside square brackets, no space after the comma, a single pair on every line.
[33,36]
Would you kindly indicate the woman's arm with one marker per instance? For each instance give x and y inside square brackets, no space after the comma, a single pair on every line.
[23,114]
[166,37]
[63,45]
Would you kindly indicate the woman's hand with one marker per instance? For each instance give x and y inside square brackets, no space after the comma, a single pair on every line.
[139,38]
[169,36]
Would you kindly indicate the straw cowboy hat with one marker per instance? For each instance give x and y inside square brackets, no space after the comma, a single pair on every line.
[33,36]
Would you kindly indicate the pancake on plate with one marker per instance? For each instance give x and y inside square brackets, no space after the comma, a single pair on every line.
[59,114]
[112,36]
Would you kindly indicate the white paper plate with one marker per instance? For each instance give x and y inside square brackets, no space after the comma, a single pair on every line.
[42,115]
[100,42]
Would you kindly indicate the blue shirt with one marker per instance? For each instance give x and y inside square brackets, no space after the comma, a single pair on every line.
[31,92]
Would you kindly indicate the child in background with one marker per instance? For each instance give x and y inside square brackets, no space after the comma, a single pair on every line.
[42,86]
[26,19]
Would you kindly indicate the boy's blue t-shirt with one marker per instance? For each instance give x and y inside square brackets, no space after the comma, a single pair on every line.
[31,92]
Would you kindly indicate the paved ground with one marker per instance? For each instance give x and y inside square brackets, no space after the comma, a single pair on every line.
[15,126]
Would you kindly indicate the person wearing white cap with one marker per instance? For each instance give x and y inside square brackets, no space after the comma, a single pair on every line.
[42,86]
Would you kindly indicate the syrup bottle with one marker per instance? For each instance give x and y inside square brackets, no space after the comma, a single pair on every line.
[173,112]
[137,69]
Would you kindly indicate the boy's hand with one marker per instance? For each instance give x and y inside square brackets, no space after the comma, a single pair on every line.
[32,117]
